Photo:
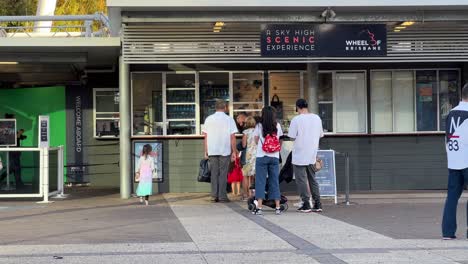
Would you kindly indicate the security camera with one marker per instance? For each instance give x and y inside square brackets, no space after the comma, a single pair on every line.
[324,13]
[328,13]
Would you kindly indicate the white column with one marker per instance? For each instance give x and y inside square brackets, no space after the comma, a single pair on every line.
[312,76]
[125,146]
[45,8]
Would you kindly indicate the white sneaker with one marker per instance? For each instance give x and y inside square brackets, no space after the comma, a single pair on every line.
[301,203]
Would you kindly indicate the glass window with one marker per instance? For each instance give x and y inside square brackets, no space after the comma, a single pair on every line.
[247,92]
[147,92]
[285,89]
[351,102]
[213,86]
[106,112]
[449,95]
[423,107]
[403,105]
[381,99]
[426,100]
[181,98]
[325,100]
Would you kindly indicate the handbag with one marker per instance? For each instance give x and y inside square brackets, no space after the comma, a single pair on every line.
[204,173]
[278,105]
[318,165]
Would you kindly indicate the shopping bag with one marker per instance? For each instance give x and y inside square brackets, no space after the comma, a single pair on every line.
[204,174]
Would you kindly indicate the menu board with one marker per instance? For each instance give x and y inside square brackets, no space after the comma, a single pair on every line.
[326,177]
[7,132]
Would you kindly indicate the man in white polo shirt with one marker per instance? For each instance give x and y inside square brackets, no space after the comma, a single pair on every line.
[306,130]
[456,141]
[220,147]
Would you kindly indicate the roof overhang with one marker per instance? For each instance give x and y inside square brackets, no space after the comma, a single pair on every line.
[281,5]
[88,52]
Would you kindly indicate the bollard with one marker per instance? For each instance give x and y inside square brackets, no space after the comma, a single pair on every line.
[346,155]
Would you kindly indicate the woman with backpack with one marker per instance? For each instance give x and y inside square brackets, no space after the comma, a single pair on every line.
[267,136]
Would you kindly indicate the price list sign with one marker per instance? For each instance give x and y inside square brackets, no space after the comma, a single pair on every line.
[326,177]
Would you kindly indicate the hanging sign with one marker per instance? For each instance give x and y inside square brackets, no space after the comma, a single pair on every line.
[324,40]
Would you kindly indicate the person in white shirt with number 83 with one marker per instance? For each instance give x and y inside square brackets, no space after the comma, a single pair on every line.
[456,144]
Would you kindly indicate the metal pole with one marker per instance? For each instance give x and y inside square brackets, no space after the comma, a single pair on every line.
[60,180]
[312,77]
[45,8]
[125,150]
[47,18]
[347,177]
[8,169]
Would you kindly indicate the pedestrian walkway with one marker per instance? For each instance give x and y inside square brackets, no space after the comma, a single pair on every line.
[187,228]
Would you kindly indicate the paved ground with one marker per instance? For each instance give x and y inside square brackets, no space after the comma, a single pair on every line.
[186,228]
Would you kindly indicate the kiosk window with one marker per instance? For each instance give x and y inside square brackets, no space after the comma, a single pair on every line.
[213,86]
[413,100]
[106,112]
[247,92]
[147,103]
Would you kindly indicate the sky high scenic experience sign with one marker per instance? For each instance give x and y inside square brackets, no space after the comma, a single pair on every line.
[324,40]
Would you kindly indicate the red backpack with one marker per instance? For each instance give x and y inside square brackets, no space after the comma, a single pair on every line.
[271,144]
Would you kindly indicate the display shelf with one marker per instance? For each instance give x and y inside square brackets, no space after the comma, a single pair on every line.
[241,103]
[181,89]
[181,103]
[246,110]
[180,119]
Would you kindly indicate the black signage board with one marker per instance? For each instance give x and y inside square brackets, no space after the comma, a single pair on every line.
[324,40]
[77,102]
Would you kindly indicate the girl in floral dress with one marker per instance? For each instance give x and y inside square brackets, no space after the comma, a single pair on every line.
[144,172]
[248,142]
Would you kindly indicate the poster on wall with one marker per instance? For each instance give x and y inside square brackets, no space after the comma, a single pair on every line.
[324,40]
[156,153]
[7,132]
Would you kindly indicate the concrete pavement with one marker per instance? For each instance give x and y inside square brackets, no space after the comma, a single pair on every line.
[186,228]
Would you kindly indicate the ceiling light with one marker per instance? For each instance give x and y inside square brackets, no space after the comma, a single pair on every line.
[219,24]
[396,30]
[407,23]
[217,28]
[8,62]
[400,27]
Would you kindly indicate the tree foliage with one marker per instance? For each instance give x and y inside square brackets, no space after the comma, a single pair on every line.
[18,7]
[64,7]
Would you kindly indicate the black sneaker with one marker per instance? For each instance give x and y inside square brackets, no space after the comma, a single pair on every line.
[305,208]
[317,207]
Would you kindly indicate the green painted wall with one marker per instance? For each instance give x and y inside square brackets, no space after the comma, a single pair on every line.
[27,104]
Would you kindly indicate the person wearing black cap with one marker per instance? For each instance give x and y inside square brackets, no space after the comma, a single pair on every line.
[306,130]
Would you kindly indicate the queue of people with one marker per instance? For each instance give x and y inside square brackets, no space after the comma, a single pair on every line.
[260,148]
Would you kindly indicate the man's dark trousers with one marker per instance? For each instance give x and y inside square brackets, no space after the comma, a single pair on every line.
[456,182]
